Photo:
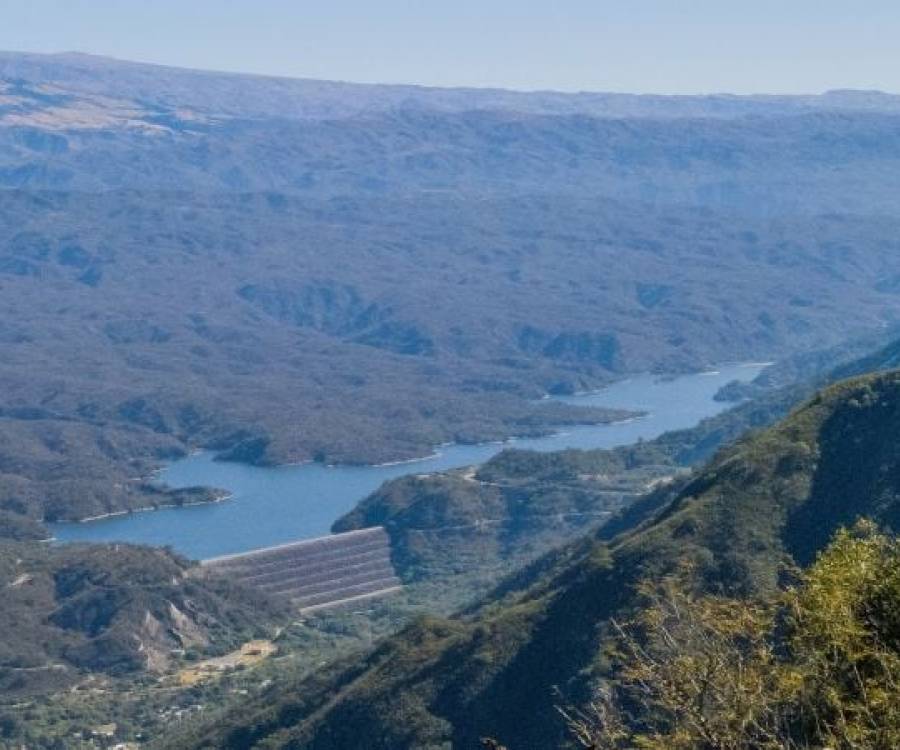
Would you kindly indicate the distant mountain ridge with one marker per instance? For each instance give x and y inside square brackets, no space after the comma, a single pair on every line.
[249,96]
[286,270]
[88,123]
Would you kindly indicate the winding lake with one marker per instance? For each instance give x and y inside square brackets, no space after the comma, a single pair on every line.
[274,505]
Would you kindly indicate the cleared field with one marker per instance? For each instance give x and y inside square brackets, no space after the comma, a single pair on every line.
[248,655]
[317,573]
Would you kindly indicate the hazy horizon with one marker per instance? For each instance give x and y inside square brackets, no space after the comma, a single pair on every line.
[652,47]
[237,72]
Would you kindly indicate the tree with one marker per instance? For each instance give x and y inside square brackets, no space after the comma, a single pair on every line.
[818,666]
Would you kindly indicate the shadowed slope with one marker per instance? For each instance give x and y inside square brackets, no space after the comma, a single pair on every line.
[491,673]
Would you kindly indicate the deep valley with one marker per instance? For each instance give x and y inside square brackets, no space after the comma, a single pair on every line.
[297,285]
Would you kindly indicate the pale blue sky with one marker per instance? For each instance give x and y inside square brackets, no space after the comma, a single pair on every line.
[677,46]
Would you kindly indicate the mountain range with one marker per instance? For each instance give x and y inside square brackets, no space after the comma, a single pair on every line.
[283,270]
[224,262]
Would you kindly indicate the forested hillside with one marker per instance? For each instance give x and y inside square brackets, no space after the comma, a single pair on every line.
[777,495]
[282,270]
[223,261]
[74,611]
[89,123]
[521,503]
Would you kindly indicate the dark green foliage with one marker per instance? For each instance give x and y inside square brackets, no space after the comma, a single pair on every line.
[460,522]
[489,673]
[775,392]
[520,503]
[72,610]
[18,527]
[211,260]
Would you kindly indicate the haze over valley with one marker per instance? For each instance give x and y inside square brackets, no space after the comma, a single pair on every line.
[252,300]
[226,262]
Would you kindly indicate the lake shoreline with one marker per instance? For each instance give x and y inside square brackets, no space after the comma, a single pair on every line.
[278,504]
[145,509]
[154,476]
[551,431]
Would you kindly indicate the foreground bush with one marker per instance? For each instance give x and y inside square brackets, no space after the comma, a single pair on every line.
[818,667]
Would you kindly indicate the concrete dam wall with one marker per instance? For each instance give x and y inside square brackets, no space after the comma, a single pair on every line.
[317,573]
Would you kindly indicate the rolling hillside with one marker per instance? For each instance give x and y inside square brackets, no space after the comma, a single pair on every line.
[781,492]
[195,259]
[505,513]
[253,316]
[75,611]
[76,122]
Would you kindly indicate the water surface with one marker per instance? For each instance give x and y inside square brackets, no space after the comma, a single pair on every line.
[275,505]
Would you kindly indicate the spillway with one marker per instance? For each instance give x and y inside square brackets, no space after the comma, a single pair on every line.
[317,573]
